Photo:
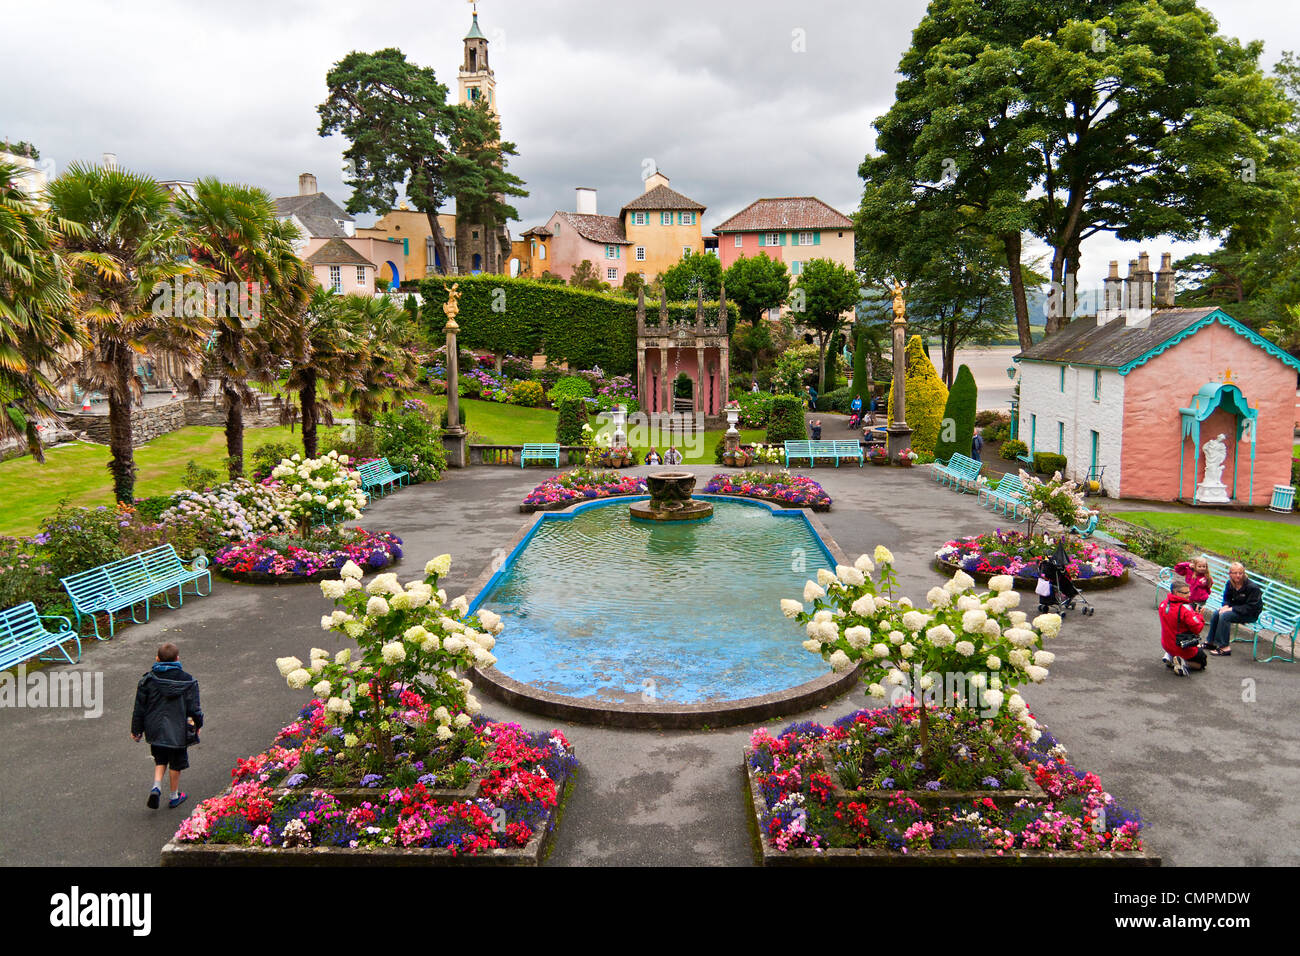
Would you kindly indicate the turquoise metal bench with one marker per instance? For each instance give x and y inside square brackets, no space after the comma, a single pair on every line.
[380,474]
[812,450]
[849,450]
[540,452]
[958,471]
[24,636]
[1007,497]
[132,582]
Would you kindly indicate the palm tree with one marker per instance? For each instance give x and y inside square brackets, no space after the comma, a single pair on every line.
[37,323]
[387,359]
[331,356]
[126,243]
[237,237]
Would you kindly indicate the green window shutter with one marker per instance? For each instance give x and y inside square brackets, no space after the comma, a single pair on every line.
[762,239]
[817,238]
[406,247]
[783,238]
[1060,438]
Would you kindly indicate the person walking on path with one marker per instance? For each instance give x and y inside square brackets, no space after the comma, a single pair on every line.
[1199,580]
[1179,620]
[168,715]
[976,444]
[1243,602]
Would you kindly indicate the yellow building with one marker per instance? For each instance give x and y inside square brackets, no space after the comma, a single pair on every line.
[411,229]
[662,227]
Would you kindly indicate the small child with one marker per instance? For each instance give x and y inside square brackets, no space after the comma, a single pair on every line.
[1199,580]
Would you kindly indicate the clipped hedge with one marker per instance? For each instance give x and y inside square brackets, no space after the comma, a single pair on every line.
[926,398]
[1013,448]
[1046,463]
[958,416]
[568,423]
[785,421]
[836,401]
[585,329]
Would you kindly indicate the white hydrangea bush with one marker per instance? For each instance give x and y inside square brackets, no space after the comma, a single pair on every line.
[240,508]
[856,619]
[409,638]
[320,489]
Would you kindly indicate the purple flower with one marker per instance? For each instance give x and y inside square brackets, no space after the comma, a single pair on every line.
[371,780]
[933,785]
[297,780]
[991,782]
[887,783]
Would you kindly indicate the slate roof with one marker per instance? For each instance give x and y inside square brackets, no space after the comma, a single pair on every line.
[661,197]
[541,232]
[318,214]
[336,252]
[1114,345]
[791,212]
[604,229]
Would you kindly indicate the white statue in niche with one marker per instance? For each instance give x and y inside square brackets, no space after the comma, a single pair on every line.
[1216,452]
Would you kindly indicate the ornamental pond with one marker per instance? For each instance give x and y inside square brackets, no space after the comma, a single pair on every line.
[609,609]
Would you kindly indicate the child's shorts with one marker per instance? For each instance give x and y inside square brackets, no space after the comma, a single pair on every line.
[173,758]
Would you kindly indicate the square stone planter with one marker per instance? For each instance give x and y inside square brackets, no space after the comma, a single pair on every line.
[769,855]
[175,853]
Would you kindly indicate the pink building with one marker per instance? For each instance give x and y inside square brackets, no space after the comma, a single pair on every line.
[584,234]
[337,266]
[792,229]
[1135,393]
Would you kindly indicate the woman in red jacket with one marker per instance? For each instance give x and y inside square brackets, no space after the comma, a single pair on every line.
[1178,617]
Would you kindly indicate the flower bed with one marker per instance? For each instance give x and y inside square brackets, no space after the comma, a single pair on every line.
[486,790]
[780,486]
[1016,554]
[278,558]
[804,814]
[581,484]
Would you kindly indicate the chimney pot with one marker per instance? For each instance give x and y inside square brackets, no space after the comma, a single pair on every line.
[307,184]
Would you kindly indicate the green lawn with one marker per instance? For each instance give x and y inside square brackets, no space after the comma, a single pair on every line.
[1228,536]
[80,472]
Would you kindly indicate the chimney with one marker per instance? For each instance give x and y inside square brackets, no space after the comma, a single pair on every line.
[1165,283]
[585,201]
[1137,293]
[307,184]
[655,179]
[1113,297]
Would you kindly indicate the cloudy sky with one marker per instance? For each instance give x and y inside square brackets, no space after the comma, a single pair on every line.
[733,100]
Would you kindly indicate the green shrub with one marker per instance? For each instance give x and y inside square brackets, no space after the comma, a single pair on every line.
[267,456]
[527,393]
[958,423]
[80,538]
[512,366]
[199,477]
[355,441]
[411,444]
[460,414]
[571,386]
[568,423]
[754,408]
[926,397]
[785,422]
[150,509]
[989,417]
[836,401]
[998,431]
[1047,463]
[719,449]
[1013,448]
[25,575]
[1164,547]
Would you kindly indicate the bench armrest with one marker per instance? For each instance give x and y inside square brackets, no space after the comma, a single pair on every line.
[67,625]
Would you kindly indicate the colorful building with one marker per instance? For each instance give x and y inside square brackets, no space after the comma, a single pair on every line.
[585,234]
[339,267]
[1136,392]
[417,256]
[480,248]
[662,226]
[792,229]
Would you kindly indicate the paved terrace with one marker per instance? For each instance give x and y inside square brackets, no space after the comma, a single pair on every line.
[1213,769]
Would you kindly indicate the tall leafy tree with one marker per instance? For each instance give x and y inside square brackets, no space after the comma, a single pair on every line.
[402,132]
[756,284]
[38,325]
[240,242]
[699,270]
[823,293]
[126,242]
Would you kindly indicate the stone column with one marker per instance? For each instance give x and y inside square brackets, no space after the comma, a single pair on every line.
[453,438]
[899,434]
[665,387]
[700,381]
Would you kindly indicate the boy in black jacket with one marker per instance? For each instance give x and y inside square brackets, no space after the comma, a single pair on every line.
[166,713]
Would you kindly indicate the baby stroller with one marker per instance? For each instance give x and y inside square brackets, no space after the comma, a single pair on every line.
[1061,591]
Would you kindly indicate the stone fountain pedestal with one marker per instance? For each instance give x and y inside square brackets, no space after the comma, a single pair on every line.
[670,499]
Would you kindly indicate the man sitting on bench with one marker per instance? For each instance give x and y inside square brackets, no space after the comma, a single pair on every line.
[1243,602]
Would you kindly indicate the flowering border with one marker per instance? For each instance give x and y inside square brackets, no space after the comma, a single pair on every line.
[378,550]
[958,555]
[800,492]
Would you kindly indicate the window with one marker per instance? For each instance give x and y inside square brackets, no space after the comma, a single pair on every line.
[361,275]
[805,239]
[1062,378]
[474,235]
[533,248]
[737,240]
[640,253]
[794,268]
[773,238]
[336,278]
[1096,388]
[611,252]
[686,218]
[665,219]
[1060,438]
[640,218]
[686,251]
[542,252]
[611,274]
[556,228]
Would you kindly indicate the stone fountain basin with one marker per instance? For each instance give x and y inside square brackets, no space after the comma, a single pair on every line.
[670,499]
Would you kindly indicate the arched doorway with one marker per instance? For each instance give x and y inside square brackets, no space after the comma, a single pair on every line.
[477,267]
[394,277]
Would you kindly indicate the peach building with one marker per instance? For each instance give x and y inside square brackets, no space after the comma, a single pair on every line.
[337,266]
[1136,391]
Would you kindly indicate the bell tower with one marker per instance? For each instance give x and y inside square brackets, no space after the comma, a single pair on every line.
[476,80]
